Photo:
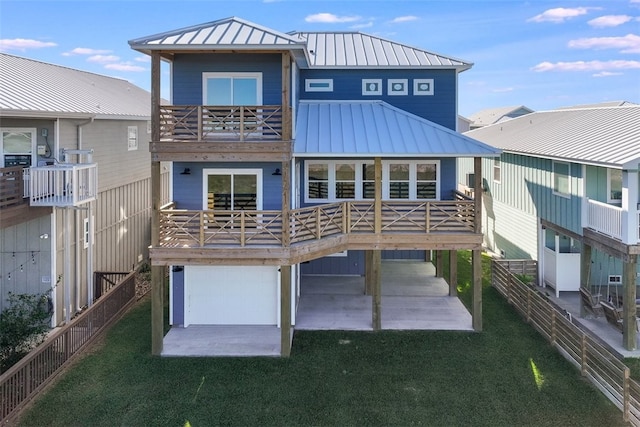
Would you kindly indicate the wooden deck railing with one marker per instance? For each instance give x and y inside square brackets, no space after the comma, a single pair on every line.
[11,186]
[191,228]
[594,360]
[239,123]
[30,375]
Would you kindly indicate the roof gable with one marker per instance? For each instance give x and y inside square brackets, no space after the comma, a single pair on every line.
[36,89]
[375,128]
[608,136]
[224,33]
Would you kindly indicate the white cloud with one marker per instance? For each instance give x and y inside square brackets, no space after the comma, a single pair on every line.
[502,90]
[23,44]
[124,67]
[587,66]
[143,58]
[365,25]
[401,19]
[330,18]
[609,21]
[627,44]
[103,59]
[561,14]
[86,51]
[606,74]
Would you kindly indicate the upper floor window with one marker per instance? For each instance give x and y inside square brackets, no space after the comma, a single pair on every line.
[410,180]
[497,170]
[132,138]
[614,185]
[561,181]
[232,88]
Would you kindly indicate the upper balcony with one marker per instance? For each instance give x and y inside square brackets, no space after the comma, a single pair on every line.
[64,184]
[232,133]
[613,221]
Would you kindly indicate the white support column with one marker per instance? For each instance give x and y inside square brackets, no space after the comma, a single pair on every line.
[630,207]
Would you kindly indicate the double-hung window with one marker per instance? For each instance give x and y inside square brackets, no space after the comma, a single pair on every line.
[561,179]
[411,180]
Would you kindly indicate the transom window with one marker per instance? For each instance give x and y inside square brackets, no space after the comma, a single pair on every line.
[561,182]
[232,88]
[355,180]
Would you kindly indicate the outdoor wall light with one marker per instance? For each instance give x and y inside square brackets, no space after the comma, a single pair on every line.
[277,172]
[186,171]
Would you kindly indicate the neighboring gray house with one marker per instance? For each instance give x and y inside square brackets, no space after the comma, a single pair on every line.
[565,192]
[492,116]
[74,180]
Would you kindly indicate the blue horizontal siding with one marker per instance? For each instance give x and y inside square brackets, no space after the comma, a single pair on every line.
[187,74]
[347,85]
[188,190]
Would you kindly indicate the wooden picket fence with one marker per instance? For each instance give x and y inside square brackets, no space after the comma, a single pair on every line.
[593,358]
[29,376]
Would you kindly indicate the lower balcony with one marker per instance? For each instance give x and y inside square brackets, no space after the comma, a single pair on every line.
[269,237]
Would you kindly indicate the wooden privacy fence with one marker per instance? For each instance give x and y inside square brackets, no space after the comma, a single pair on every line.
[29,376]
[595,361]
[11,186]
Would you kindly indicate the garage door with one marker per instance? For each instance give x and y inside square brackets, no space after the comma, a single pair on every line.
[225,295]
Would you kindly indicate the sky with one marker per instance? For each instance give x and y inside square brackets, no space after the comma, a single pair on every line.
[539,53]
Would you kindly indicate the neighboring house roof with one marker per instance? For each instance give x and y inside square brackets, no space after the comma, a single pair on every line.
[359,50]
[230,33]
[375,128]
[606,136]
[36,89]
[601,104]
[491,116]
[311,49]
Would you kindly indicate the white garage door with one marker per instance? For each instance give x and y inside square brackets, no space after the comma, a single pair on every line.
[225,295]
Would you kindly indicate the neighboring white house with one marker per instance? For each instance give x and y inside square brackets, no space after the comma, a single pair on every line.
[74,180]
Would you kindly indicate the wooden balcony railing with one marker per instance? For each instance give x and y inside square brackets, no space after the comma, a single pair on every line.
[235,123]
[12,191]
[190,228]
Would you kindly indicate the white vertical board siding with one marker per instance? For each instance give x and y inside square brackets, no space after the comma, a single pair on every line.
[231,295]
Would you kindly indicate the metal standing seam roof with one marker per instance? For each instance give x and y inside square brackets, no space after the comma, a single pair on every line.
[359,50]
[490,116]
[608,136]
[224,33]
[34,88]
[375,128]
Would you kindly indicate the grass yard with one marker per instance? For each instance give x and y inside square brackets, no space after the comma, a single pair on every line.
[505,376]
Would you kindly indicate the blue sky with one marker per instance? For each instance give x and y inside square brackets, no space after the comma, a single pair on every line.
[538,53]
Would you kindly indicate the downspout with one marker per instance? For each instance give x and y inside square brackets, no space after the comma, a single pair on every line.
[79,230]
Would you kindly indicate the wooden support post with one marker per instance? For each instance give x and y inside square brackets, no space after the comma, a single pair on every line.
[286,203]
[377,220]
[376,288]
[453,273]
[629,336]
[285,310]
[368,272]
[476,268]
[585,267]
[286,97]
[439,264]
[157,272]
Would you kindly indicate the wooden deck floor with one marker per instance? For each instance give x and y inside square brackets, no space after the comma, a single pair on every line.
[412,298]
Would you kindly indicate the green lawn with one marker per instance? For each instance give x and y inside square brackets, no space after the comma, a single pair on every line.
[505,376]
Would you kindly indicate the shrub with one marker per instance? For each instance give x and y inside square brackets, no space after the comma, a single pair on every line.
[23,325]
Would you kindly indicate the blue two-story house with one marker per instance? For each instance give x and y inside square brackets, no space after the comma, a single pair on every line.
[288,148]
